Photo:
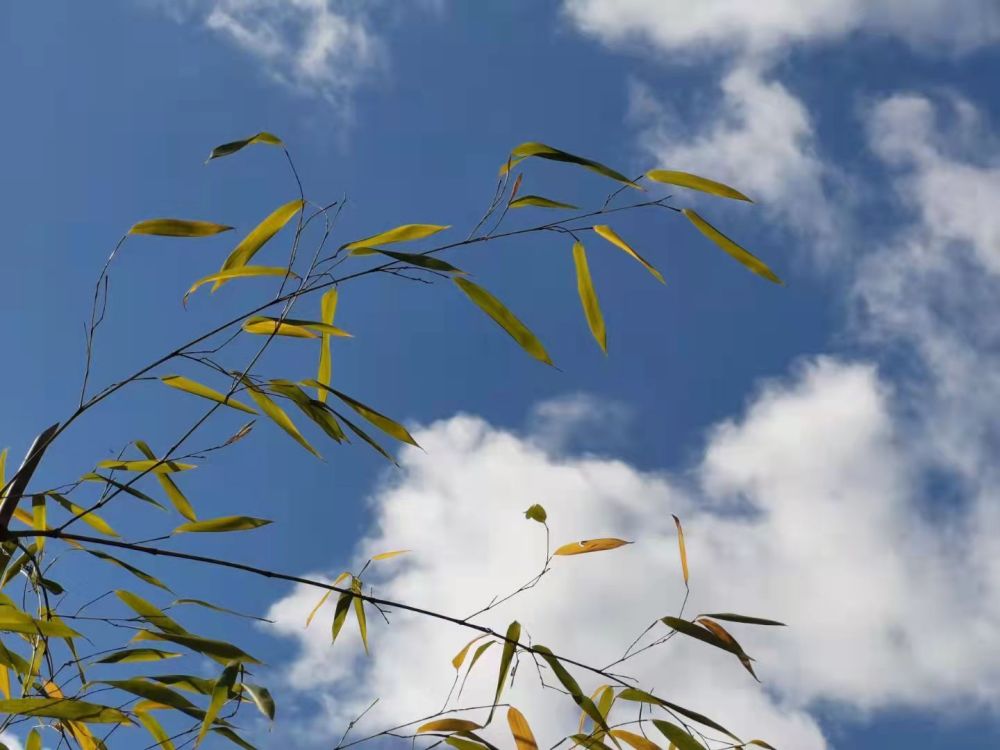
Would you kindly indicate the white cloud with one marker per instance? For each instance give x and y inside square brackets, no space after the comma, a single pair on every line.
[324,48]
[12,742]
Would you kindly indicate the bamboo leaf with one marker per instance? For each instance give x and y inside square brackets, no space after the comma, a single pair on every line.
[138,494]
[178,228]
[230,735]
[277,415]
[150,612]
[185,682]
[153,466]
[359,611]
[588,297]
[134,655]
[449,725]
[536,513]
[641,696]
[174,494]
[745,257]
[678,736]
[270,327]
[63,708]
[504,318]
[328,309]
[325,596]
[506,657]
[539,202]
[459,658]
[187,385]
[157,693]
[730,617]
[217,608]
[34,740]
[220,694]
[367,438]
[682,549]
[240,272]
[542,151]
[13,621]
[524,739]
[340,614]
[404,233]
[261,697]
[94,521]
[249,245]
[694,182]
[219,651]
[384,423]
[138,573]
[389,555]
[590,545]
[564,677]
[163,741]
[232,147]
[636,741]
[427,262]
[609,234]
[222,524]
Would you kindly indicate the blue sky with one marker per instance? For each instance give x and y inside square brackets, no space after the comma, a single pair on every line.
[831,415]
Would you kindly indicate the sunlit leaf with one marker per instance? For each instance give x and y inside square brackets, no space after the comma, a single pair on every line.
[748,259]
[217,608]
[328,309]
[542,151]
[694,182]
[682,549]
[157,693]
[188,682]
[588,297]
[538,201]
[384,423]
[94,521]
[340,614]
[427,262]
[34,740]
[61,708]
[590,545]
[5,681]
[536,513]
[220,694]
[132,655]
[232,147]
[156,731]
[13,621]
[174,494]
[150,612]
[711,638]
[459,658]
[506,657]
[524,739]
[389,555]
[636,741]
[230,735]
[153,466]
[641,696]
[270,327]
[223,523]
[217,650]
[449,725]
[603,230]
[404,233]
[359,611]
[367,438]
[240,272]
[505,319]
[249,245]
[730,617]
[187,385]
[178,228]
[138,494]
[38,519]
[678,736]
[460,743]
[278,416]
[261,697]
[322,601]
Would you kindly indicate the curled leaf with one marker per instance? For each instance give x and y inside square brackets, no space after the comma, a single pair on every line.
[233,146]
[539,202]
[536,513]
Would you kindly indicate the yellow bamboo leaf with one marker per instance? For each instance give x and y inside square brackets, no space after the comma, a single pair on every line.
[603,230]
[195,388]
[241,272]
[449,725]
[590,545]
[694,182]
[637,741]
[325,596]
[389,555]
[5,680]
[542,151]
[232,147]
[178,228]
[174,494]
[682,548]
[278,416]
[588,297]
[521,730]
[154,466]
[269,327]
[359,611]
[404,233]
[459,658]
[745,257]
[504,318]
[328,309]
[254,241]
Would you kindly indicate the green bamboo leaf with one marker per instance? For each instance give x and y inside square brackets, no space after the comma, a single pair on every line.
[222,524]
[133,655]
[261,697]
[678,736]
[328,309]
[150,612]
[384,423]
[219,651]
[138,494]
[506,657]
[538,201]
[504,318]
[359,611]
[695,631]
[220,694]
[542,151]
[609,234]
[155,692]
[67,709]
[187,385]
[404,233]
[748,259]
[34,740]
[188,682]
[261,324]
[694,182]
[140,574]
[641,696]
[217,608]
[14,621]
[536,513]
[178,228]
[730,617]
[94,521]
[588,297]
[419,260]
[163,741]
[340,614]
[564,677]
[153,466]
[249,245]
[367,438]
[240,272]
[181,504]
[277,415]
[232,147]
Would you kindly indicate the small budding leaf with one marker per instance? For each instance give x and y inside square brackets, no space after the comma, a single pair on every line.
[539,202]
[187,385]
[588,297]
[694,182]
[745,257]
[449,725]
[233,146]
[505,319]
[603,230]
[178,228]
[404,233]
[221,524]
[536,513]
[590,545]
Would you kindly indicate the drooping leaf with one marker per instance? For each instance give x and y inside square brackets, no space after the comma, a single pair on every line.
[730,617]
[538,201]
[153,466]
[177,498]
[133,655]
[536,513]
[641,696]
[328,309]
[427,262]
[694,182]
[384,423]
[449,725]
[278,416]
[94,521]
[404,233]
[524,739]
[219,651]
[249,245]
[678,736]
[156,731]
[603,230]
[178,228]
[504,318]
[506,657]
[220,694]
[63,708]
[711,638]
[322,601]
[459,658]
[150,612]
[367,438]
[217,608]
[261,698]
[720,631]
[564,677]
[187,385]
[240,272]
[682,549]
[359,611]
[222,524]
[588,297]
[232,147]
[590,545]
[340,614]
[745,257]
[14,621]
[542,151]
[138,494]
